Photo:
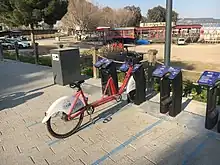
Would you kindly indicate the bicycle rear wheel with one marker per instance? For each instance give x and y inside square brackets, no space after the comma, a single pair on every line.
[131,96]
[64,128]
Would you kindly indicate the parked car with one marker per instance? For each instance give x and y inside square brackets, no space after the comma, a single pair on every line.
[6,45]
[21,44]
[181,41]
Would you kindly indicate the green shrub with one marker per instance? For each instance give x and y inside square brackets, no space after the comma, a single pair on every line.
[202,97]
[87,71]
[45,61]
[121,76]
[88,52]
[197,92]
[157,86]
[9,55]
[27,59]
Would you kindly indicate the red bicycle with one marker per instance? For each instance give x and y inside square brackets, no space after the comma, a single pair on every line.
[72,108]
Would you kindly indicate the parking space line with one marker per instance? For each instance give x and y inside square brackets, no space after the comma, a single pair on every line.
[54,141]
[126,143]
[198,149]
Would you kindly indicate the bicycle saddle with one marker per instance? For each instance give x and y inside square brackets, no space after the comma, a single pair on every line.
[76,83]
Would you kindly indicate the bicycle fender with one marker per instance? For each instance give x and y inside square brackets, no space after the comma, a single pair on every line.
[131,85]
[62,104]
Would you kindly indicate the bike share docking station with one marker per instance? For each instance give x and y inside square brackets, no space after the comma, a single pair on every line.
[211,81]
[136,88]
[107,69]
[170,82]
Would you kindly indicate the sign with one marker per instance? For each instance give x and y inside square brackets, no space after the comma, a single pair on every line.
[136,67]
[124,67]
[155,24]
[55,57]
[103,63]
[209,78]
[163,70]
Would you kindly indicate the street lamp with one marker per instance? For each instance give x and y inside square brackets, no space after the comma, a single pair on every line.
[168,38]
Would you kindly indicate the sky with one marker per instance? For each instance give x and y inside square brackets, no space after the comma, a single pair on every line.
[185,8]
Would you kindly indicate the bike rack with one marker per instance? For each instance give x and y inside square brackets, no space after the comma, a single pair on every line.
[107,68]
[170,80]
[211,81]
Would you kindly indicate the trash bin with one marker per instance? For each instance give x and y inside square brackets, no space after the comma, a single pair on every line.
[66,65]
[211,81]
[170,81]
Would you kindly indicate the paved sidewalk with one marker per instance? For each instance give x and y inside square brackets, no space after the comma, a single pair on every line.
[135,135]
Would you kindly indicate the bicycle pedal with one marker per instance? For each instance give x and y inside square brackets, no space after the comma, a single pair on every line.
[108,119]
[118,98]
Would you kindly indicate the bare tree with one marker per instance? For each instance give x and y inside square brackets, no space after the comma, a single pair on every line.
[123,17]
[107,17]
[81,14]
[84,15]
[116,17]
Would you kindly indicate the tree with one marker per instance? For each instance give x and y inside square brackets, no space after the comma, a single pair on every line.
[158,14]
[144,19]
[15,13]
[116,17]
[107,17]
[137,15]
[82,14]
[123,18]
[85,15]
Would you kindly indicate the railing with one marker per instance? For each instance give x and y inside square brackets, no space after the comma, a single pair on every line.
[17,54]
[149,61]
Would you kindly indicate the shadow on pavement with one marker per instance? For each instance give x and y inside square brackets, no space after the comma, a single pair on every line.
[15,99]
[17,74]
[37,89]
[105,116]
[186,103]
[150,95]
[197,150]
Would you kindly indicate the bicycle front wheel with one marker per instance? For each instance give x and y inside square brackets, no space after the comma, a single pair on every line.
[59,127]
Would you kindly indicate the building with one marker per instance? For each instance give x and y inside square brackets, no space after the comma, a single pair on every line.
[156,31]
[210,30]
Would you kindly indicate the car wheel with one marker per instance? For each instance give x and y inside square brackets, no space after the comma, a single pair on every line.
[20,46]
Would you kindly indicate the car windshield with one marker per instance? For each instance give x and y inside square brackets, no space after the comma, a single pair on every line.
[181,39]
[10,40]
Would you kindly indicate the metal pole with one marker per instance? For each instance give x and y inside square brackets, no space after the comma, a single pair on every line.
[168,39]
[17,51]
[1,52]
[36,53]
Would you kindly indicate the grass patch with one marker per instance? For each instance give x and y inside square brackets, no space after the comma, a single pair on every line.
[87,71]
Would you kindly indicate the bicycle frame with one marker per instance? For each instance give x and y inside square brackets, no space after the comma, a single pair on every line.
[104,99]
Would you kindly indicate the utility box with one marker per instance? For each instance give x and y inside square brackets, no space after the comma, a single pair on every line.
[66,65]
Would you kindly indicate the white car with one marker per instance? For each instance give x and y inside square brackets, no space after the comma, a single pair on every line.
[21,44]
[181,41]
